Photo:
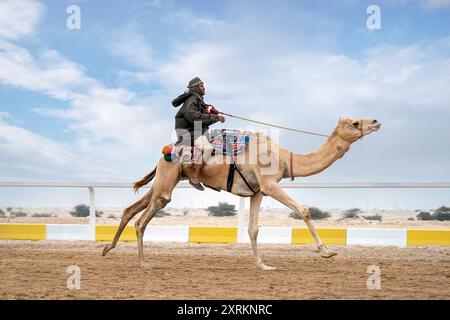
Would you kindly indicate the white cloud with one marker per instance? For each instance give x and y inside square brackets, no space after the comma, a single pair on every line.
[19,18]
[189,20]
[110,124]
[96,112]
[32,156]
[49,72]
[133,47]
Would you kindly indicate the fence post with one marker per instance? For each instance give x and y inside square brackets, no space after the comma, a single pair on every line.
[241,218]
[92,212]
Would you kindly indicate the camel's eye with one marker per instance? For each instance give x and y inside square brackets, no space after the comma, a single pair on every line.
[355,124]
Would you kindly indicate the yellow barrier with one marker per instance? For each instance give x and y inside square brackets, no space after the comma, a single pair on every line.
[328,236]
[23,231]
[213,234]
[428,237]
[106,233]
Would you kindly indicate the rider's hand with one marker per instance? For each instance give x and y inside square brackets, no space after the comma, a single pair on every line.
[213,110]
[221,119]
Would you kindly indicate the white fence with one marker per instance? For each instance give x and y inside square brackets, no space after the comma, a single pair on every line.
[91,186]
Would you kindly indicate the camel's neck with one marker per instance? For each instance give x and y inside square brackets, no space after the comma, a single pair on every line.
[315,162]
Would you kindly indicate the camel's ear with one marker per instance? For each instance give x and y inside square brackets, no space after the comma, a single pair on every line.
[341,120]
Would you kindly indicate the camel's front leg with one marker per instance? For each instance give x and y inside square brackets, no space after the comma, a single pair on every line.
[255,202]
[275,191]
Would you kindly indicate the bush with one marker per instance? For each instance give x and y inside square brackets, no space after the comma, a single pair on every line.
[424,215]
[442,214]
[111,216]
[351,213]
[222,210]
[443,209]
[411,219]
[2,213]
[294,215]
[375,217]
[9,209]
[17,214]
[82,210]
[161,213]
[316,214]
[41,215]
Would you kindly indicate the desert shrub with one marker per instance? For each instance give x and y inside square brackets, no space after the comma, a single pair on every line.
[442,214]
[185,213]
[375,217]
[222,210]
[111,216]
[294,215]
[424,215]
[41,215]
[2,213]
[17,214]
[316,214]
[351,213]
[411,219]
[161,213]
[9,209]
[82,210]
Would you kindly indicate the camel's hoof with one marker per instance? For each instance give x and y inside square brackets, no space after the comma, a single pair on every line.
[265,268]
[328,254]
[106,250]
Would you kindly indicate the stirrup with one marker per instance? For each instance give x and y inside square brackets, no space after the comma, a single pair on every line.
[197,186]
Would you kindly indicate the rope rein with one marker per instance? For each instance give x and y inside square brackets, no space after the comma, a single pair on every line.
[273,125]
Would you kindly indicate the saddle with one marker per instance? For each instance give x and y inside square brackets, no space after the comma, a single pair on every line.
[225,142]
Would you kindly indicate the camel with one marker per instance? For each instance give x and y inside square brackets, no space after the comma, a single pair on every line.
[272,164]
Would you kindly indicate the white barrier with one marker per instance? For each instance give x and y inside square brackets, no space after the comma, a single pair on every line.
[272,235]
[167,234]
[68,232]
[376,237]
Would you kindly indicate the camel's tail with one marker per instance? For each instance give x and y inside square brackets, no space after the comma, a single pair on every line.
[144,180]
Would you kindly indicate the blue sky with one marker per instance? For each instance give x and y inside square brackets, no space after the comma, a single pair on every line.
[97,100]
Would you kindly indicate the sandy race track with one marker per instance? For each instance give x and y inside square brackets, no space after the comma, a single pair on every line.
[37,270]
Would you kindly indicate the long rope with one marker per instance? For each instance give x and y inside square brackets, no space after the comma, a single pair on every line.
[273,125]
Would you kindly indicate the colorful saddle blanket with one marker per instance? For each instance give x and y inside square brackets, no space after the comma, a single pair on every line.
[224,141]
[227,141]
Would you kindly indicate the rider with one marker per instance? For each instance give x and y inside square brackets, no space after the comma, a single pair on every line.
[194,114]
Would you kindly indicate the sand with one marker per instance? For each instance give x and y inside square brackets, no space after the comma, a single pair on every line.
[37,270]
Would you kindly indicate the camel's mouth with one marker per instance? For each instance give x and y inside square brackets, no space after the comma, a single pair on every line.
[374,127]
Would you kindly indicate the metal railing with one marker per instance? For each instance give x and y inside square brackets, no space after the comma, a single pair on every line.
[241,213]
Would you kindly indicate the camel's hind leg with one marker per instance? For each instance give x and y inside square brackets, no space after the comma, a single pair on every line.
[255,202]
[275,191]
[128,214]
[167,177]
[156,204]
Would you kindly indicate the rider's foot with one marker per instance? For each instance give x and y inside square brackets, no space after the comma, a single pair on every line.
[196,184]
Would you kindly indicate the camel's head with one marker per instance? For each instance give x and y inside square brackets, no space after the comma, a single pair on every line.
[354,129]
